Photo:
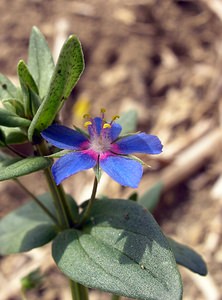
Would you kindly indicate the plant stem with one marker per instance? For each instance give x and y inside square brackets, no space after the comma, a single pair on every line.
[39,203]
[91,202]
[79,292]
[58,201]
[74,290]
[115,297]
[23,296]
[66,205]
[83,292]
[59,198]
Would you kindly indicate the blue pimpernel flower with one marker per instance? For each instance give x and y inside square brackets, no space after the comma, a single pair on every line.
[102,147]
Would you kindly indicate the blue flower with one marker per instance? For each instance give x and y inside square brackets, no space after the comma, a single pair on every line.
[103,147]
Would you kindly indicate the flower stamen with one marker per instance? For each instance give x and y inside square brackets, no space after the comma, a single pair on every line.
[87,123]
[106,125]
[102,110]
[86,116]
[114,118]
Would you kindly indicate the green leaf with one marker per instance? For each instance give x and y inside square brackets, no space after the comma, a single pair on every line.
[12,136]
[151,197]
[26,77]
[66,74]
[35,101]
[2,138]
[14,106]
[7,88]
[188,258]
[59,154]
[14,167]
[27,227]
[9,119]
[40,61]
[29,90]
[128,121]
[121,250]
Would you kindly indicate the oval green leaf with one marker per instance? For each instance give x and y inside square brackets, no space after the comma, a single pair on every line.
[27,227]
[29,89]
[40,61]
[188,258]
[14,106]
[25,77]
[9,119]
[121,250]
[10,136]
[128,121]
[12,167]
[7,88]
[68,70]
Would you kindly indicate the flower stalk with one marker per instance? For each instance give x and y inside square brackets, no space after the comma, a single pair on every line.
[91,202]
[58,201]
[79,292]
[115,297]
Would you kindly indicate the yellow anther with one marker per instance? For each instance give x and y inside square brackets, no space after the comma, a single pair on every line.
[106,125]
[115,117]
[103,110]
[88,123]
[86,116]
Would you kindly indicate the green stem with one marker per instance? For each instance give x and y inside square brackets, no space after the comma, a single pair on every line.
[91,202]
[39,203]
[115,297]
[58,201]
[65,204]
[83,292]
[59,198]
[23,295]
[74,290]
[79,292]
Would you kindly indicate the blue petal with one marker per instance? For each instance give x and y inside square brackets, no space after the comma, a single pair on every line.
[70,164]
[115,131]
[125,171]
[139,143]
[96,127]
[111,133]
[63,137]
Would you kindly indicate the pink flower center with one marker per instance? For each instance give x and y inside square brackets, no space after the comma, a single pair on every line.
[100,144]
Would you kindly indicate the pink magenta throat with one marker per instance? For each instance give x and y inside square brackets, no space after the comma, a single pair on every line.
[99,144]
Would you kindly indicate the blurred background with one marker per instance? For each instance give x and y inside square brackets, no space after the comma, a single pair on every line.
[162,59]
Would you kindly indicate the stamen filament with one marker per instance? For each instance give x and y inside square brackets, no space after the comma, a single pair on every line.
[86,116]
[103,110]
[114,118]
